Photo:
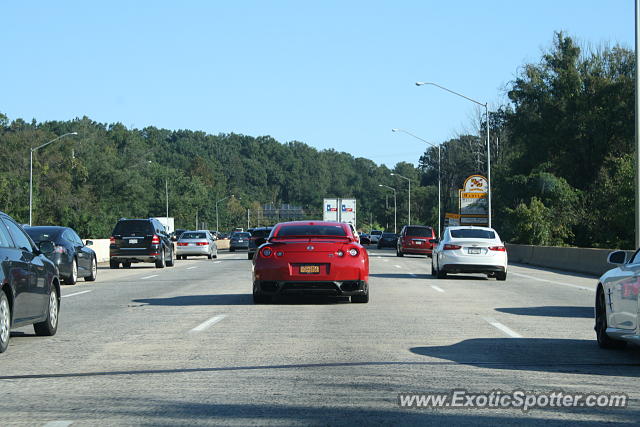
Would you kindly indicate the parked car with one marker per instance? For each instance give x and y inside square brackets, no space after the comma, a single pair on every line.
[375,236]
[196,243]
[140,240]
[258,237]
[616,304]
[311,257]
[239,240]
[466,249]
[72,257]
[387,240]
[415,239]
[29,283]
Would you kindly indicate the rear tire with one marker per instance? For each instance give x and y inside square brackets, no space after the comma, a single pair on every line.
[170,260]
[5,321]
[360,299]
[50,326]
[231,250]
[441,274]
[94,271]
[161,263]
[501,276]
[604,341]
[399,252]
[209,256]
[114,264]
[73,279]
[250,255]
[260,299]
[126,264]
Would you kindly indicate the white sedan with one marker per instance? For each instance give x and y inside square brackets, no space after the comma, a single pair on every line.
[616,302]
[468,249]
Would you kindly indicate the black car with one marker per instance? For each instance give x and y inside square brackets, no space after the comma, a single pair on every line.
[29,283]
[259,236]
[140,240]
[387,240]
[73,258]
[239,240]
[175,236]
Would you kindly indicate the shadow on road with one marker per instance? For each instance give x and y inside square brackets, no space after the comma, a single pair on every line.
[190,300]
[539,354]
[550,311]
[394,275]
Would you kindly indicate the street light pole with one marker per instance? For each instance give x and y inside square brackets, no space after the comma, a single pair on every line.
[439,170]
[486,110]
[217,223]
[31,171]
[395,208]
[404,177]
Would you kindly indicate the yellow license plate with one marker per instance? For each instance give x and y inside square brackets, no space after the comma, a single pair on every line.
[309,269]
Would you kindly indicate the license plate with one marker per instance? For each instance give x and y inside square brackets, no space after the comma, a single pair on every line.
[474,250]
[309,269]
[240,241]
[191,244]
[133,241]
[418,242]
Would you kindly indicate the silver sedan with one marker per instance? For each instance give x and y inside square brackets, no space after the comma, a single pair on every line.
[196,243]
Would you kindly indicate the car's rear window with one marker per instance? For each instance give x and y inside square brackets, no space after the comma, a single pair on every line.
[133,227]
[43,235]
[376,233]
[469,233]
[260,233]
[312,230]
[244,235]
[419,231]
[388,235]
[186,235]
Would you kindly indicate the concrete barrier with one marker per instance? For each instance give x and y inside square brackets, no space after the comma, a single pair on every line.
[579,260]
[101,247]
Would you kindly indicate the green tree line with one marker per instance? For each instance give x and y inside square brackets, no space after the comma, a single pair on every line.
[561,155]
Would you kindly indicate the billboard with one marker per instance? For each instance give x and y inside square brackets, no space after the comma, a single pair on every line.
[341,210]
[330,210]
[473,201]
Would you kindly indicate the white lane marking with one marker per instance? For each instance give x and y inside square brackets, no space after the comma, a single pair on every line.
[502,327]
[217,262]
[75,293]
[396,266]
[58,424]
[385,260]
[204,325]
[191,268]
[526,276]
[149,277]
[437,288]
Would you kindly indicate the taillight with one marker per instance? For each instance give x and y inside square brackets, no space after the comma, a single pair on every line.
[266,252]
[448,247]
[155,240]
[60,250]
[112,240]
[182,244]
[498,248]
[201,243]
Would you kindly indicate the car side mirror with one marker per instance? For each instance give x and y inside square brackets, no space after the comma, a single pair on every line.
[617,258]
[47,247]
[89,243]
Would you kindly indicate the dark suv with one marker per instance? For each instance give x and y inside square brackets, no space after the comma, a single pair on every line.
[414,239]
[140,240]
[259,236]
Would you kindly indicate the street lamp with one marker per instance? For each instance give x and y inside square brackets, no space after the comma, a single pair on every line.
[486,111]
[395,207]
[31,171]
[217,224]
[404,177]
[439,169]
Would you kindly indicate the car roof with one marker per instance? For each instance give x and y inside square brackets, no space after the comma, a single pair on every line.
[46,227]
[313,222]
[466,227]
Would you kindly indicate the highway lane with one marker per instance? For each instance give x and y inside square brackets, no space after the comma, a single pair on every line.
[185,345]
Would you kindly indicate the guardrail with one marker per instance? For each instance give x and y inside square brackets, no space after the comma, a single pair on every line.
[578,260]
[101,247]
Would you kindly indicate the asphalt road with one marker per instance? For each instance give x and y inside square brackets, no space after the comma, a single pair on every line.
[186,345]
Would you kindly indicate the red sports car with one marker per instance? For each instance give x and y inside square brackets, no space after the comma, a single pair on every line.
[311,257]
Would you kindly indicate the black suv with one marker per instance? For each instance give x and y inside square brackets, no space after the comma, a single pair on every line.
[140,240]
[259,236]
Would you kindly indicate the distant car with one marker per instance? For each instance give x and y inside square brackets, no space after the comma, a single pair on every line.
[196,243]
[72,257]
[375,236]
[387,240]
[258,237]
[239,240]
[365,239]
[415,239]
[177,233]
[616,303]
[466,249]
[140,240]
[311,257]
[29,283]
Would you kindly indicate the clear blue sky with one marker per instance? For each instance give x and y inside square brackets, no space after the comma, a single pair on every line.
[332,74]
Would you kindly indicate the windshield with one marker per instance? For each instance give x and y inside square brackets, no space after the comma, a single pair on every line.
[470,233]
[189,235]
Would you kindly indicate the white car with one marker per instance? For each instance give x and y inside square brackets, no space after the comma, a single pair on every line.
[616,304]
[468,249]
[198,243]
[375,236]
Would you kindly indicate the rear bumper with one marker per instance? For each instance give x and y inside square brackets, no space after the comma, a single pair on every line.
[239,246]
[330,288]
[473,268]
[193,250]
[131,257]
[418,251]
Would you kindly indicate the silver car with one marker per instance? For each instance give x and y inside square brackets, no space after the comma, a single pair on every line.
[196,243]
